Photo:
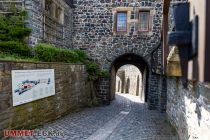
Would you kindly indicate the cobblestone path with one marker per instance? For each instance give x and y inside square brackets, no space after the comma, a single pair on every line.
[125,119]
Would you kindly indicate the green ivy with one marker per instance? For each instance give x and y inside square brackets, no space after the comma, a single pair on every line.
[94,71]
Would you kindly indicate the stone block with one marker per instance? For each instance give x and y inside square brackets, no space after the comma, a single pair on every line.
[186,111]
[4,125]
[16,66]
[42,66]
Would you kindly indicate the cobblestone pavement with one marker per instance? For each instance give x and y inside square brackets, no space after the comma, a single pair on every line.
[125,119]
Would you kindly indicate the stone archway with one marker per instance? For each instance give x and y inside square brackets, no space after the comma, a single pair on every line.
[133,59]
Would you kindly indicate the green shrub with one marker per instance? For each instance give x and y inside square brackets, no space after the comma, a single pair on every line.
[45,52]
[13,27]
[69,56]
[104,74]
[14,47]
[82,55]
[13,32]
[94,72]
[19,33]
[15,57]
[49,53]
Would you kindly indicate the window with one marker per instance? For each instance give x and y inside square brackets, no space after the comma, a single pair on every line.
[49,6]
[121,22]
[59,15]
[54,23]
[54,11]
[144,21]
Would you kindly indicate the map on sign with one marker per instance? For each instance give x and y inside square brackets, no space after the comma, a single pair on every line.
[30,85]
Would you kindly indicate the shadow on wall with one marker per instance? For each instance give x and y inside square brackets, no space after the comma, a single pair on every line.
[127,87]
[188,109]
[137,86]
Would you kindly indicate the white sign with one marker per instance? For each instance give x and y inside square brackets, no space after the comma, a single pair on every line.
[30,85]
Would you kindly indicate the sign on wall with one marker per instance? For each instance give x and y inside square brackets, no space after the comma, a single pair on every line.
[31,85]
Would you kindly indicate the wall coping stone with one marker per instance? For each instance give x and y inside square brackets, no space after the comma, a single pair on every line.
[60,63]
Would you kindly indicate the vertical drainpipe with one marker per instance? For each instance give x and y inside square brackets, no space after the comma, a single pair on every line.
[165,48]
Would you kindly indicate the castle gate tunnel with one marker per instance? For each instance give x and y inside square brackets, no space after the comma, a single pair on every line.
[120,83]
[129,80]
[95,32]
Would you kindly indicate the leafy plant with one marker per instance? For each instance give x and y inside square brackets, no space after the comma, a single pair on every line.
[13,27]
[94,72]
[82,55]
[13,32]
[14,57]
[66,55]
[104,74]
[45,52]
[49,53]
[15,47]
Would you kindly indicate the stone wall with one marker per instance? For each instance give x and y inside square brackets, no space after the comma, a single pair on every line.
[188,109]
[35,20]
[95,32]
[94,29]
[153,90]
[45,27]
[72,92]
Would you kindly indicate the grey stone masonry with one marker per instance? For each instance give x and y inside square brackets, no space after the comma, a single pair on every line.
[48,24]
[124,119]
[188,109]
[95,32]
[72,91]
[35,20]
[95,29]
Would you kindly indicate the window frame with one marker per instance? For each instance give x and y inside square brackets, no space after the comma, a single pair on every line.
[149,20]
[125,12]
[50,15]
[54,10]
